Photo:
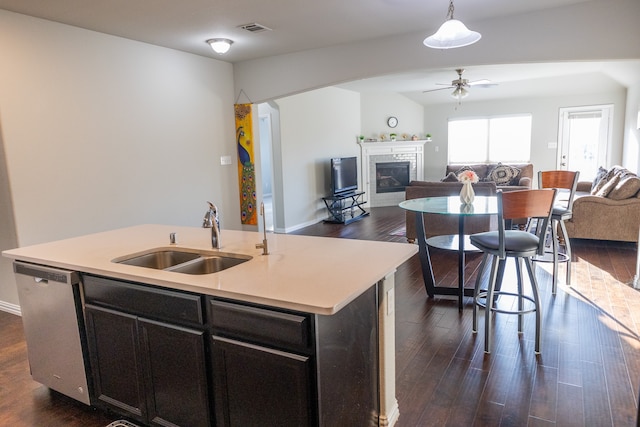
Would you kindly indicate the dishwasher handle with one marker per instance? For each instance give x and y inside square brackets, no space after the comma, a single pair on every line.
[42,274]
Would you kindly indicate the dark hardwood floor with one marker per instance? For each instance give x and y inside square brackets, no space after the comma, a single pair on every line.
[587,375]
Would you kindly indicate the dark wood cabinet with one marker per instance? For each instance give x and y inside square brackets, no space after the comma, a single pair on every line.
[115,360]
[273,367]
[275,385]
[157,356]
[147,369]
[175,365]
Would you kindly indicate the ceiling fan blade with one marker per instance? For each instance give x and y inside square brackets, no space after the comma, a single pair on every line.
[480,82]
[483,83]
[440,88]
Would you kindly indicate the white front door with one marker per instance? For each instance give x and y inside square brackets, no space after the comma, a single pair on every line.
[584,135]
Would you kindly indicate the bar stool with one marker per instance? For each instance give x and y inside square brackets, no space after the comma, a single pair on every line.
[519,244]
[565,182]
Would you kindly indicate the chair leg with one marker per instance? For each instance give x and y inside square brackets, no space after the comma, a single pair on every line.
[567,246]
[554,243]
[536,301]
[518,261]
[489,304]
[476,290]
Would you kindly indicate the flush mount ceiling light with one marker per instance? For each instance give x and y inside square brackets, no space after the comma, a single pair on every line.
[220,46]
[452,34]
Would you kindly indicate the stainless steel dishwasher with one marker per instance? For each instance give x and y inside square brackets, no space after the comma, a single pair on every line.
[53,327]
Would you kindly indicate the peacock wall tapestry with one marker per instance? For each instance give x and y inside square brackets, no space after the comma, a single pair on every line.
[246,163]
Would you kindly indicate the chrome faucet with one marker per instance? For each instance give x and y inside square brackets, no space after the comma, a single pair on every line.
[265,244]
[211,221]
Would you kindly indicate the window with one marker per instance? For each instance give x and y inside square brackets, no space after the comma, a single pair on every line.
[490,139]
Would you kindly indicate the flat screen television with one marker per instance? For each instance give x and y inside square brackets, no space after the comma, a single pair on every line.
[344,175]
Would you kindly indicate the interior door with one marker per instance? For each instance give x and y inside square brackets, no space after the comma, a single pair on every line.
[585,135]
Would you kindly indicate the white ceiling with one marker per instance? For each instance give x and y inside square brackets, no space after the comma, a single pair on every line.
[298,25]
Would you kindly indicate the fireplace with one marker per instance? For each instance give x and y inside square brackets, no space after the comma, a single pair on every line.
[392,177]
[386,152]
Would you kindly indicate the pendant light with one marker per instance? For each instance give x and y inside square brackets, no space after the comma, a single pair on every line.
[452,34]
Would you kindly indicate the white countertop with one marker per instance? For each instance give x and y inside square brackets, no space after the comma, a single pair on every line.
[312,274]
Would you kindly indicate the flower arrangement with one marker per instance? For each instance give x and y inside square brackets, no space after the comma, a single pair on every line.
[468,176]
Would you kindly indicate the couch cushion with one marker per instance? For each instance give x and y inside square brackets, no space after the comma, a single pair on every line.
[604,181]
[451,177]
[627,186]
[602,172]
[504,175]
[608,186]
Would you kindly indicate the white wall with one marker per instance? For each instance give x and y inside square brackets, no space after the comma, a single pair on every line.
[376,108]
[544,125]
[631,153]
[101,132]
[315,126]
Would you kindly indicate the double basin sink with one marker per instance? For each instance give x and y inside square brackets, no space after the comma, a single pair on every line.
[187,261]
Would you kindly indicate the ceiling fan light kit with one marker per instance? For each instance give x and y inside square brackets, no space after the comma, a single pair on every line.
[452,34]
[459,93]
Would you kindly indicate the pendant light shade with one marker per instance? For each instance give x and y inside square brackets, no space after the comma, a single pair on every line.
[220,46]
[452,34]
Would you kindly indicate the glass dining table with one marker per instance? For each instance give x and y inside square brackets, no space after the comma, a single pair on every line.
[447,205]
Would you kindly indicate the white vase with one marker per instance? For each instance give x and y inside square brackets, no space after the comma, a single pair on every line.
[466,194]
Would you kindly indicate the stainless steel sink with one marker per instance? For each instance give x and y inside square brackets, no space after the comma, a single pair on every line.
[186,261]
[160,260]
[208,265]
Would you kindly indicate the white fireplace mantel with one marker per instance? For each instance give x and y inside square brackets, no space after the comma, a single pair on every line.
[369,149]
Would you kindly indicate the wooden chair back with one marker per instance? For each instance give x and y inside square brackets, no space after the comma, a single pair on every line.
[527,203]
[561,179]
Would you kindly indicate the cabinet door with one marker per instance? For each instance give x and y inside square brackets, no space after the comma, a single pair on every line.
[115,361]
[257,386]
[176,371]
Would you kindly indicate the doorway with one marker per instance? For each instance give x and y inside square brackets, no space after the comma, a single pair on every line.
[585,136]
[266,169]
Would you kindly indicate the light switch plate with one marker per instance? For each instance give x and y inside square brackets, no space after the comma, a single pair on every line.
[225,160]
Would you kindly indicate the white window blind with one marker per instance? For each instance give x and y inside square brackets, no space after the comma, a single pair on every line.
[490,139]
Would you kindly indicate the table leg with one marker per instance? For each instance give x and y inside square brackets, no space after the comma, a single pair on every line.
[423,254]
[461,261]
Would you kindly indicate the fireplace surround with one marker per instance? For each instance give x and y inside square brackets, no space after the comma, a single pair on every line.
[377,156]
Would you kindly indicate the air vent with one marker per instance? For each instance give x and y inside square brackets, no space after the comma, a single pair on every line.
[254,27]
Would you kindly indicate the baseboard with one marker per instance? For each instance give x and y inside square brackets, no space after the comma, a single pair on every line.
[10,308]
[299,226]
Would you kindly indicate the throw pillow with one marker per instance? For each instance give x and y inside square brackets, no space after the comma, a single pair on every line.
[599,175]
[462,169]
[603,181]
[608,186]
[503,174]
[451,177]
[627,187]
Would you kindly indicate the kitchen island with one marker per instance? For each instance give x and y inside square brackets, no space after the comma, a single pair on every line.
[339,292]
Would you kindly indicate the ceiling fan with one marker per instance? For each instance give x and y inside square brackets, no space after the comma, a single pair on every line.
[461,86]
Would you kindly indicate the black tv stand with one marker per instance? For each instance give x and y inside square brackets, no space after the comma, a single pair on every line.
[345,208]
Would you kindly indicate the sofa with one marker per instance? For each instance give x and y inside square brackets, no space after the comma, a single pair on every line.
[513,177]
[607,208]
[507,180]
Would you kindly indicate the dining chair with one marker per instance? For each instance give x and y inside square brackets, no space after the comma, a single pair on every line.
[510,241]
[565,182]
